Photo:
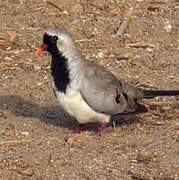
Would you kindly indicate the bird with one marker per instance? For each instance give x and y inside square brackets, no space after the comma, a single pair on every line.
[86,90]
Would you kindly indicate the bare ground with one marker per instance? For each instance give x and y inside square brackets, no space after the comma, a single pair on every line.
[35,135]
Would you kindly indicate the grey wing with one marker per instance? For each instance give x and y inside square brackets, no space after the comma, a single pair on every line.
[102,91]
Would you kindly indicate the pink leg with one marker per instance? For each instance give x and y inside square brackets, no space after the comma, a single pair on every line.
[102,127]
[79,128]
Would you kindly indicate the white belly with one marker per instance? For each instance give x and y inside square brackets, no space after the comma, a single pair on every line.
[74,104]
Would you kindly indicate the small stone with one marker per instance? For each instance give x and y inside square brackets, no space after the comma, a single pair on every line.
[167,26]
[39,84]
[8,48]
[25,133]
[150,49]
[100,55]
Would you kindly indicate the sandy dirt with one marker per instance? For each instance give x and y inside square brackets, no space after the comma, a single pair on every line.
[35,135]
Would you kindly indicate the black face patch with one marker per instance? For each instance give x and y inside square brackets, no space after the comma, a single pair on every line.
[51,42]
[59,63]
[54,39]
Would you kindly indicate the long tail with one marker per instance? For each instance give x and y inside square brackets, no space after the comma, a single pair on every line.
[137,93]
[155,93]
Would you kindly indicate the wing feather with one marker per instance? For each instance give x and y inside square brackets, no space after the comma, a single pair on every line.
[101,90]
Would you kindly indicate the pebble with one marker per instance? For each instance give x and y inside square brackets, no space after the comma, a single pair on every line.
[167,26]
[39,84]
[25,133]
[100,55]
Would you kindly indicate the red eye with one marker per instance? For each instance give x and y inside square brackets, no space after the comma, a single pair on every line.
[54,39]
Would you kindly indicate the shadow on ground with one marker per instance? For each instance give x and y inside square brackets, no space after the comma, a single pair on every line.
[48,114]
[53,114]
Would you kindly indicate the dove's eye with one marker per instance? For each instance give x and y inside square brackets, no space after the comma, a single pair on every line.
[54,39]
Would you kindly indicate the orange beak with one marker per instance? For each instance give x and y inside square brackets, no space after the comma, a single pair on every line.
[40,49]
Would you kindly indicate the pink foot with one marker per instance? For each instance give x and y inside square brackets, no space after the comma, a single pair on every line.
[79,129]
[102,127]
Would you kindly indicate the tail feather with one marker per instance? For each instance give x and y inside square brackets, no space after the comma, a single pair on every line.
[155,93]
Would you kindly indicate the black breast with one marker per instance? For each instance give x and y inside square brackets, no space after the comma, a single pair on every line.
[59,64]
[60,72]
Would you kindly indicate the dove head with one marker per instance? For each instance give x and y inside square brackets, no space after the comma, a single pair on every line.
[56,40]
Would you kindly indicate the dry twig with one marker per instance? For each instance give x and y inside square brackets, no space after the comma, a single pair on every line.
[125,23]
[15,142]
[54,5]
[140,45]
